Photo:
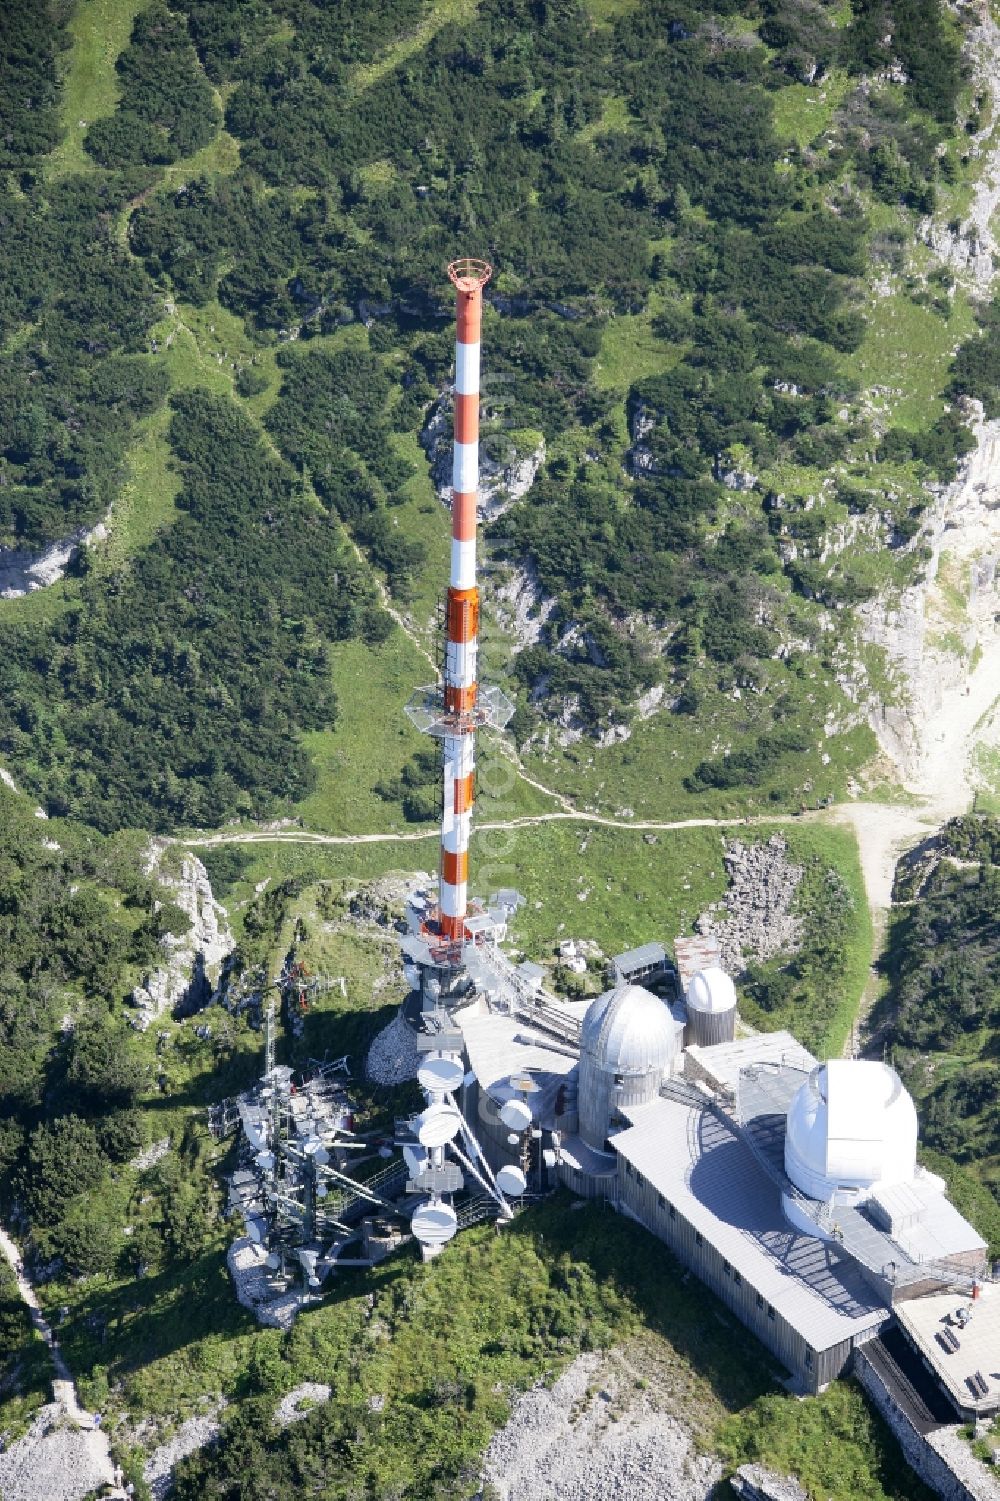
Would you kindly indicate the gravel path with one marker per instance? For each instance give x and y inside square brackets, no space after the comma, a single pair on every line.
[64,1454]
[590,1438]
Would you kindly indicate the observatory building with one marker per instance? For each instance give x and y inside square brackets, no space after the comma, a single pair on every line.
[789,1186]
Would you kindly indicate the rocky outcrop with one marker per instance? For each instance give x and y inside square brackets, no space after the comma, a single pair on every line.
[192,961]
[920,630]
[500,484]
[23,571]
[755,920]
[523,605]
[970,248]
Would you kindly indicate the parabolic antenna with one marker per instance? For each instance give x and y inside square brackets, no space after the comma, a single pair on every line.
[438,1125]
[511,1180]
[255,1230]
[265,1160]
[434,1224]
[441,1074]
[312,1146]
[322,1191]
[517,1115]
[321,1155]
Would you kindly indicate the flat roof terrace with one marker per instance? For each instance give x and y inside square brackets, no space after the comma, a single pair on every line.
[927,1321]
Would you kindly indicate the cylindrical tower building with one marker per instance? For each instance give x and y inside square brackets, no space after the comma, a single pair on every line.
[711,1007]
[628,1043]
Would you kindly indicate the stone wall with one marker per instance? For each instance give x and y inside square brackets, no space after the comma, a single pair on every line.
[949,1468]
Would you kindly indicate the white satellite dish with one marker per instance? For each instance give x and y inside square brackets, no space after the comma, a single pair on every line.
[438,1125]
[434,1224]
[441,1074]
[312,1146]
[255,1230]
[517,1115]
[513,1139]
[322,1191]
[511,1180]
[265,1160]
[321,1155]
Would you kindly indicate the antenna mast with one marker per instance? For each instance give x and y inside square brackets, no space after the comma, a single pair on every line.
[456,710]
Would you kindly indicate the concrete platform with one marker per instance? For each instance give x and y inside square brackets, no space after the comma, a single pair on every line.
[923,1320]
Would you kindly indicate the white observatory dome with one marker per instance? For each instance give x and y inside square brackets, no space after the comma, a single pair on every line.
[850,1126]
[628,1030]
[711,990]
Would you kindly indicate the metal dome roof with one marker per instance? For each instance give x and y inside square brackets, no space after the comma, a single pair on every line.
[851,1125]
[711,990]
[628,1030]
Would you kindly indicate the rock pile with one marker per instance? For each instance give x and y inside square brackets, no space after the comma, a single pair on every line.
[298,1403]
[755,920]
[754,1483]
[158,1471]
[393,1057]
[582,1441]
[55,1460]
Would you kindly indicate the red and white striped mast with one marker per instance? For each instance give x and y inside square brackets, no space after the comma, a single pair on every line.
[459,707]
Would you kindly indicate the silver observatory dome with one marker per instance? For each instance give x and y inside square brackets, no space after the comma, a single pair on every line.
[627,1043]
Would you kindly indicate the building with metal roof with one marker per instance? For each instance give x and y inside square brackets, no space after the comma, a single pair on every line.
[689,1177]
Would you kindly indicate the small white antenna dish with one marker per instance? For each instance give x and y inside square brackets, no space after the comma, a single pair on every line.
[255,1230]
[511,1180]
[441,1075]
[438,1125]
[517,1115]
[265,1160]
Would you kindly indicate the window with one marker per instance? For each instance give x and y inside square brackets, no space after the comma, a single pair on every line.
[673,1211]
[770,1311]
[809,1360]
[661,1201]
[727,1269]
[697,1238]
[737,1278]
[760,1300]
